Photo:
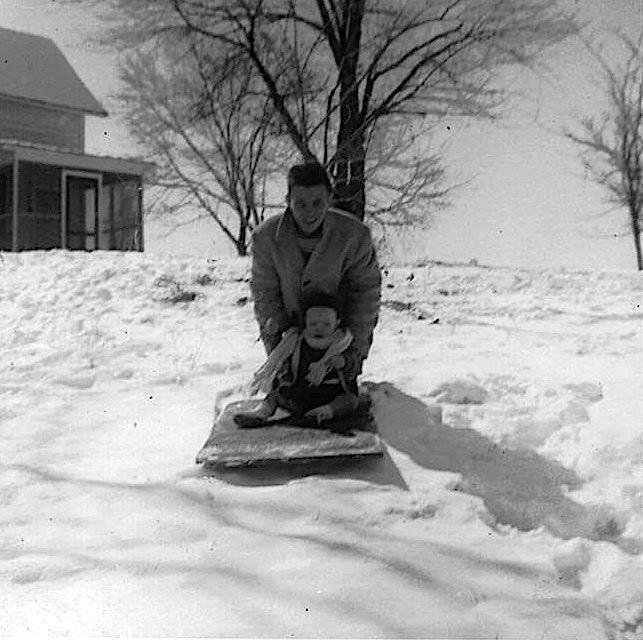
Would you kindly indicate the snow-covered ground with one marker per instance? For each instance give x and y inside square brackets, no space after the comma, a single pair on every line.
[520,515]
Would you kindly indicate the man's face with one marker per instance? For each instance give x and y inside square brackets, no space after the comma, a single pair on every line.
[309,206]
[321,322]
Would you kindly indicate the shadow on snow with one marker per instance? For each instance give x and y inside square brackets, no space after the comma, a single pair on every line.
[519,487]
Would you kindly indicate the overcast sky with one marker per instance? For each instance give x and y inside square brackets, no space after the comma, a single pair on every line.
[528,204]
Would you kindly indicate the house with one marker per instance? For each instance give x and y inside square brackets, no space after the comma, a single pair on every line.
[53,194]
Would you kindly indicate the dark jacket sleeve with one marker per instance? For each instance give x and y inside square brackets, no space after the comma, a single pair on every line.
[266,291]
[361,286]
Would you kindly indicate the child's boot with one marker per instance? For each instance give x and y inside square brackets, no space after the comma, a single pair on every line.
[257,417]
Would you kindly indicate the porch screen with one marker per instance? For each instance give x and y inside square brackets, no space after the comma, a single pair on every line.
[39,216]
[6,209]
[120,224]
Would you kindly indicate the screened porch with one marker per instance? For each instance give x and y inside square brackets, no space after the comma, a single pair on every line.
[51,199]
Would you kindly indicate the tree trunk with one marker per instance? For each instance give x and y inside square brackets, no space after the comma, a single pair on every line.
[348,162]
[636,232]
[348,173]
[241,245]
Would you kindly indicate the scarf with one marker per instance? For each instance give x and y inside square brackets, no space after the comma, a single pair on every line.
[263,377]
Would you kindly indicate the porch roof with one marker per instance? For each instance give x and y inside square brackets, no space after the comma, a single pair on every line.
[26,152]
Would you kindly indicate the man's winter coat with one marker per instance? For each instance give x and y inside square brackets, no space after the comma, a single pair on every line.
[343,264]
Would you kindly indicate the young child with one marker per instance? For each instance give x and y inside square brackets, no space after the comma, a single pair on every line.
[303,374]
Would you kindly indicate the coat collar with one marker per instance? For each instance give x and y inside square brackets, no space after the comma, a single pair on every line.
[286,238]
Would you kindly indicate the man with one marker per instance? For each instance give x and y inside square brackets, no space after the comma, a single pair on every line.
[312,246]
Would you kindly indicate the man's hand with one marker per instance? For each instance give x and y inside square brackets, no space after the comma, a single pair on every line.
[337,362]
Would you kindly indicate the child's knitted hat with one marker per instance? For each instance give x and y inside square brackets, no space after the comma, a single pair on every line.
[316,298]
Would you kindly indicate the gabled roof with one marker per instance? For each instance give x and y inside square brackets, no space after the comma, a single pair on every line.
[33,68]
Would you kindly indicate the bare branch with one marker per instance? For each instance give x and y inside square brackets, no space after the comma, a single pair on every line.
[328,79]
[611,147]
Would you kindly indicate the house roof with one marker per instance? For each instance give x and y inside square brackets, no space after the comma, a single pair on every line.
[34,68]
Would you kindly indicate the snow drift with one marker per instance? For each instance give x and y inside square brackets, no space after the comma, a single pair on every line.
[509,502]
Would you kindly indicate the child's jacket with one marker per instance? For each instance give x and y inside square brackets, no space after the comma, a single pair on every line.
[289,353]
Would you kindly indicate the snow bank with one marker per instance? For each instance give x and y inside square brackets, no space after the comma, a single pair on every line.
[509,503]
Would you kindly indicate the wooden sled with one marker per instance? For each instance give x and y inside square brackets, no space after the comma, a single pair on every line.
[284,441]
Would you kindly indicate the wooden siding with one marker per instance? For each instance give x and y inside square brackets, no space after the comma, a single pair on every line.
[27,122]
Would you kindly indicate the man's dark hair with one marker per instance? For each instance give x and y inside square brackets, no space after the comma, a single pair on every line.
[309,174]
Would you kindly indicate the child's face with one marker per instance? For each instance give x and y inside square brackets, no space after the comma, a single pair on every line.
[321,322]
[309,206]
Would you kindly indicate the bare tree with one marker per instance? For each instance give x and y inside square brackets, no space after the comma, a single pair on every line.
[195,123]
[369,62]
[343,77]
[611,144]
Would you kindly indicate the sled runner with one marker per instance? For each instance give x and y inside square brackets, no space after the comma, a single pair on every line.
[284,440]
